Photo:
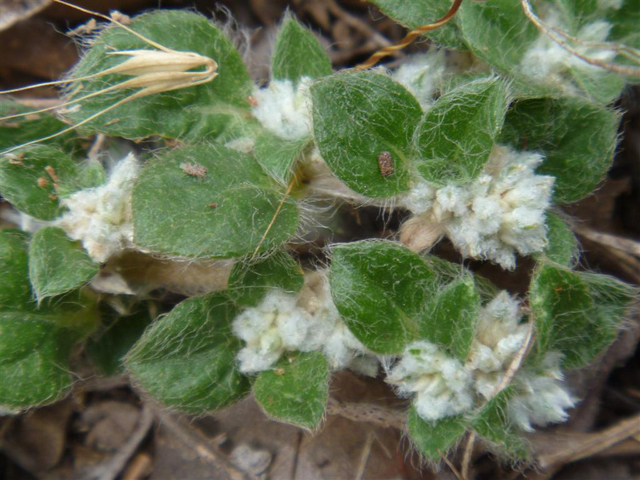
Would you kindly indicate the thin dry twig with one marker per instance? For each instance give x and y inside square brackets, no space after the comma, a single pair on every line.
[366,453]
[114,466]
[610,241]
[411,37]
[196,441]
[367,412]
[561,39]
[589,444]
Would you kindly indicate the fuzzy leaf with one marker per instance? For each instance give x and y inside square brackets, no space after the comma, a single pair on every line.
[415,13]
[35,344]
[109,348]
[196,112]
[563,245]
[576,314]
[577,139]
[34,359]
[356,117]
[18,131]
[249,283]
[434,439]
[15,289]
[296,390]
[29,187]
[221,209]
[277,156]
[492,423]
[497,31]
[457,134]
[380,289]
[452,316]
[187,359]
[57,264]
[298,53]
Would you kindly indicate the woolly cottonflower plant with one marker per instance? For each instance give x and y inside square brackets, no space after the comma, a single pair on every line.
[480,141]
[442,385]
[101,217]
[499,214]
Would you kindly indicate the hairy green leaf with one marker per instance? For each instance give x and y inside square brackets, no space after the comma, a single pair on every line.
[296,390]
[457,134]
[31,179]
[277,156]
[15,289]
[563,245]
[57,264]
[209,201]
[577,139]
[452,316]
[434,439]
[187,359]
[297,53]
[576,314]
[380,289]
[415,13]
[196,112]
[357,116]
[250,282]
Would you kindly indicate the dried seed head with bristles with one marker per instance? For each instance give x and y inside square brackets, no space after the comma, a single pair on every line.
[151,71]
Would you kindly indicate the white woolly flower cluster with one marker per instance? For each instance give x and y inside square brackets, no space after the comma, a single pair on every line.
[541,398]
[498,214]
[442,384]
[546,61]
[307,322]
[101,217]
[423,75]
[285,109]
[499,336]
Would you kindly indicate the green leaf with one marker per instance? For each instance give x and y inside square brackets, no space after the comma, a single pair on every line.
[250,282]
[380,289]
[296,390]
[29,187]
[15,289]
[110,347]
[493,424]
[457,134]
[91,174]
[297,53]
[563,245]
[198,112]
[434,439]
[452,316]
[576,314]
[577,139]
[277,156]
[35,344]
[497,31]
[57,264]
[18,131]
[187,358]
[415,13]
[356,117]
[221,209]
[34,359]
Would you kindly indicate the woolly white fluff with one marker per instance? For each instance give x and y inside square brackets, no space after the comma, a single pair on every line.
[499,336]
[498,214]
[423,75]
[309,322]
[284,109]
[546,60]
[541,398]
[101,217]
[442,384]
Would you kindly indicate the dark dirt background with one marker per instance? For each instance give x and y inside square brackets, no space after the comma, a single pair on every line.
[106,430]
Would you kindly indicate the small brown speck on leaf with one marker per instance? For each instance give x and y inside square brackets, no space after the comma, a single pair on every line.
[43,182]
[385,163]
[194,169]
